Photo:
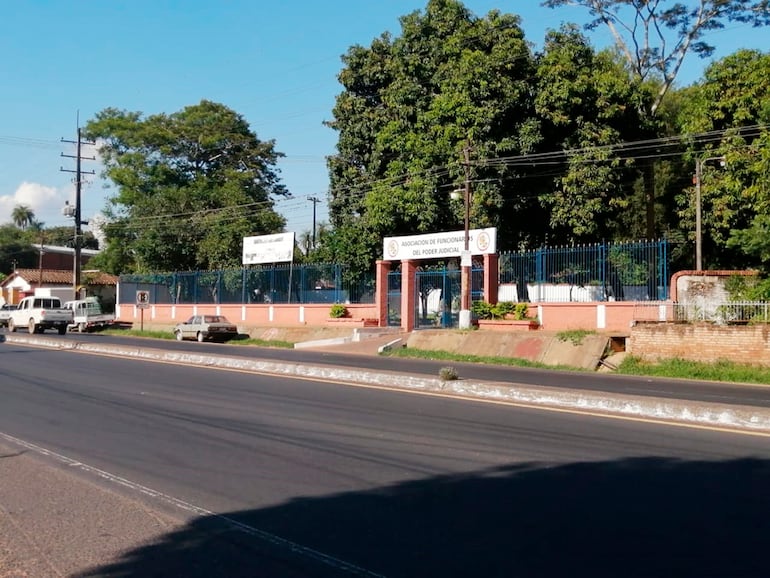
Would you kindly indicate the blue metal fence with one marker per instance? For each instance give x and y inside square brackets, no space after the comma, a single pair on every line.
[317,283]
[600,272]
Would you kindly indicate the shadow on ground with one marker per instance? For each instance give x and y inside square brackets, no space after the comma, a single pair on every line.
[649,517]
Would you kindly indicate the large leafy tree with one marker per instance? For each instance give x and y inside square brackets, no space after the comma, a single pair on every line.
[654,37]
[411,108]
[729,114]
[588,107]
[189,186]
[15,249]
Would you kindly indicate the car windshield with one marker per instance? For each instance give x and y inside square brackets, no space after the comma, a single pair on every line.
[215,319]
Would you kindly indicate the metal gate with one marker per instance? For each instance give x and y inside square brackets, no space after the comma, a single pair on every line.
[394,299]
[437,299]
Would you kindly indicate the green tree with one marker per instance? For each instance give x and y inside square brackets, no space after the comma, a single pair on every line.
[655,37]
[190,185]
[15,249]
[731,107]
[588,106]
[62,237]
[410,107]
[22,216]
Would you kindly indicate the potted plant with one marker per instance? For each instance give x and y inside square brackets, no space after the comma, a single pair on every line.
[338,311]
[503,316]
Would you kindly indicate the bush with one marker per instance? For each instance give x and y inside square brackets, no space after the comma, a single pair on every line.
[338,311]
[483,310]
[447,374]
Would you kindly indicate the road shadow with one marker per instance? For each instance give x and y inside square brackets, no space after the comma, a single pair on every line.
[651,517]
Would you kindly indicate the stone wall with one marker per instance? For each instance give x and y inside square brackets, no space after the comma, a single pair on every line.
[704,342]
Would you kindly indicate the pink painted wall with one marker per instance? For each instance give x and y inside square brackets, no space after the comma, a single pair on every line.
[610,316]
[246,315]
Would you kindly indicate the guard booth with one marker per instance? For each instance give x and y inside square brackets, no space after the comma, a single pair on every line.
[414,292]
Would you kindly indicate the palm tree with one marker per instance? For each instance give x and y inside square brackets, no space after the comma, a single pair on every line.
[22,216]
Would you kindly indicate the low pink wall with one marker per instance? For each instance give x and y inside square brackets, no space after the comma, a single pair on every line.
[613,316]
[248,315]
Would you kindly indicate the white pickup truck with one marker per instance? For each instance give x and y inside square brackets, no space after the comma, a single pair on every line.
[87,314]
[40,313]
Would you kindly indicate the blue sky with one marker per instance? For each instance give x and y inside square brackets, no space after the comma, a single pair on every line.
[274,63]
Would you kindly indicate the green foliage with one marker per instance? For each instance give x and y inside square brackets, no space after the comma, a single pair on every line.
[22,216]
[450,356]
[501,310]
[411,104]
[588,102]
[338,310]
[189,187]
[16,249]
[722,370]
[448,374]
[732,100]
[747,288]
[575,336]
[629,270]
[655,37]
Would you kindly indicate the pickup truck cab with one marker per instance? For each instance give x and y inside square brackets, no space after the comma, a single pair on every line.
[40,313]
[87,314]
[5,313]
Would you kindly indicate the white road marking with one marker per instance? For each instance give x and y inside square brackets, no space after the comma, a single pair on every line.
[293,547]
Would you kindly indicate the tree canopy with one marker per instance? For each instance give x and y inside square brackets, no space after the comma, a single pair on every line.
[188,187]
[411,105]
[22,216]
[730,109]
[654,38]
[458,97]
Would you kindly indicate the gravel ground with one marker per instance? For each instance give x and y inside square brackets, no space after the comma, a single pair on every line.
[55,523]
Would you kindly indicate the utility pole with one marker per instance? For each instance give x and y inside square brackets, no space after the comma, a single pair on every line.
[465,259]
[699,210]
[69,212]
[315,201]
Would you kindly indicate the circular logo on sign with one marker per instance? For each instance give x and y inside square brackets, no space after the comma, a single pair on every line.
[483,241]
[392,248]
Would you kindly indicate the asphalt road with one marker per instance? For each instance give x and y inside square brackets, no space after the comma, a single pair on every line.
[693,390]
[289,477]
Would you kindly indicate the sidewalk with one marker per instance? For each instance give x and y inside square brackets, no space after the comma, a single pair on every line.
[57,523]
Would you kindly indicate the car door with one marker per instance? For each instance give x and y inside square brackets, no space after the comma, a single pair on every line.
[190,327]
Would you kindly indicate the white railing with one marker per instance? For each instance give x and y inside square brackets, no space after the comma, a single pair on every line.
[704,311]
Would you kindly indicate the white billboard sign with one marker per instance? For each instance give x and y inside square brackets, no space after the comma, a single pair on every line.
[268,249]
[440,245]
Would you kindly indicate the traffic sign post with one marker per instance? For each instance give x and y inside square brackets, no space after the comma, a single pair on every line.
[142,302]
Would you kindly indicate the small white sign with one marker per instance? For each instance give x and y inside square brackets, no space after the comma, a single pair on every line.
[142,299]
[268,249]
[440,245]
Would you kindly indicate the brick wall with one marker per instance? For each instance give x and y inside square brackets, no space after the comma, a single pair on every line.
[701,342]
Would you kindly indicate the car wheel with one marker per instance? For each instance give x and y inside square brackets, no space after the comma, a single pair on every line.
[62,329]
[32,327]
[11,326]
[178,335]
[81,327]
[200,337]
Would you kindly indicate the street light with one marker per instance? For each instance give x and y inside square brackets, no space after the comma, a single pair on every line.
[698,208]
[465,259]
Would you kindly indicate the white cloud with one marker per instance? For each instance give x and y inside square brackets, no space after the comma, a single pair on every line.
[39,198]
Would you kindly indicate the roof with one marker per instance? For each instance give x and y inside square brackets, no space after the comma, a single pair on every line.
[65,250]
[61,277]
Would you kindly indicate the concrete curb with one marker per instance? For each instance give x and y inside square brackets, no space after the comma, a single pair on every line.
[322,342]
[722,416]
